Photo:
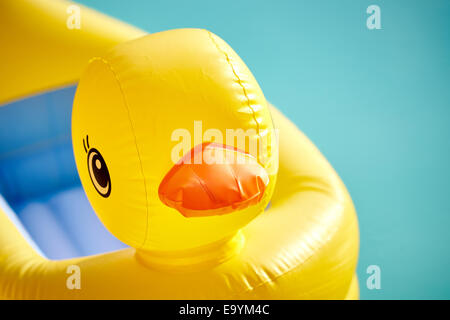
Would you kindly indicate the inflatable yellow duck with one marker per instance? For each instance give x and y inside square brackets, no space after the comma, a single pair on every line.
[134,102]
[218,195]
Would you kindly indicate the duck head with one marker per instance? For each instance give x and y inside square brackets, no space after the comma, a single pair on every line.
[173,141]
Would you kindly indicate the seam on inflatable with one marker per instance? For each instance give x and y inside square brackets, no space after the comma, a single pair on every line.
[205,188]
[272,279]
[238,80]
[106,62]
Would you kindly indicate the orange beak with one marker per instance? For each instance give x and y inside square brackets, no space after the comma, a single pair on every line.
[213,179]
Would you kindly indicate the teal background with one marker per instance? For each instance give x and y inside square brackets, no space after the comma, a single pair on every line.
[376,103]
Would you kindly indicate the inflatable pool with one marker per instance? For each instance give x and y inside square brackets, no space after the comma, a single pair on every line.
[95,182]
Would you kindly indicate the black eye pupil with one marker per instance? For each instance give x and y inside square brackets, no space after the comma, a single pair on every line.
[98,171]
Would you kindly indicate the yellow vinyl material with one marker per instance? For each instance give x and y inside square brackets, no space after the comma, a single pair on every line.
[129,102]
[304,247]
[43,48]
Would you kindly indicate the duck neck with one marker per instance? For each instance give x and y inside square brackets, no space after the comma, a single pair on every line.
[193,259]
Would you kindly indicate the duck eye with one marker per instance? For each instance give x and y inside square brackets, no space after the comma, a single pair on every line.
[98,171]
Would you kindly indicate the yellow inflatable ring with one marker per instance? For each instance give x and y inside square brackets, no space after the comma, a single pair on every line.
[303,246]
